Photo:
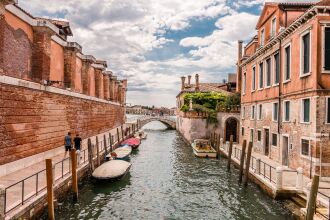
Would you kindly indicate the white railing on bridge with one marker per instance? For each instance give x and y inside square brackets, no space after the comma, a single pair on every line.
[134,118]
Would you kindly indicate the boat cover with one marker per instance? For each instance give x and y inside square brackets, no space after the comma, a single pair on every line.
[111,169]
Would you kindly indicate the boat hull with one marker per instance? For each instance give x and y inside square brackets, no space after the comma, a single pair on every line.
[203,153]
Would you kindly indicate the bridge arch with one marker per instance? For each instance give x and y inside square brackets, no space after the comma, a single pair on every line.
[169,122]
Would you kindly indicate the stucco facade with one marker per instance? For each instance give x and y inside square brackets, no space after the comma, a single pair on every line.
[284,86]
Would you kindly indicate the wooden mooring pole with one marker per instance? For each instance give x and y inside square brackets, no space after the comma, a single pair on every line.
[247,164]
[241,165]
[118,140]
[122,132]
[73,155]
[230,152]
[98,152]
[105,145]
[50,190]
[90,155]
[111,141]
[311,205]
[218,147]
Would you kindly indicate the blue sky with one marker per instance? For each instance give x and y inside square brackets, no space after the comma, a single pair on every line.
[153,43]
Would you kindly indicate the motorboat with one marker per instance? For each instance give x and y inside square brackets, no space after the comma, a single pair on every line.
[202,148]
[140,135]
[113,169]
[133,142]
[120,153]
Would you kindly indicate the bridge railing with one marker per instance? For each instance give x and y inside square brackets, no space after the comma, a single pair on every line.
[148,117]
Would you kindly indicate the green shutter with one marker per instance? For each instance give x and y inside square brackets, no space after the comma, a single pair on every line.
[327,49]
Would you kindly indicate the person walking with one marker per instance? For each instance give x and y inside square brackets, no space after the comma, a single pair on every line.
[77,145]
[67,143]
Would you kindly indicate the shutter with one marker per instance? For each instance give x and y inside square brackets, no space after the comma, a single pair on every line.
[328,111]
[287,74]
[277,69]
[327,49]
[306,42]
[306,110]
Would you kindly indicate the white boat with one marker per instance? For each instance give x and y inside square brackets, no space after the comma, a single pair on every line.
[140,135]
[113,169]
[202,148]
[120,153]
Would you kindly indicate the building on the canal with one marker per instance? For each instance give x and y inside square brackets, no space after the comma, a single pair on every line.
[284,81]
[49,87]
[194,124]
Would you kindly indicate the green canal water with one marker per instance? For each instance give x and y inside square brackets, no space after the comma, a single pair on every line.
[166,181]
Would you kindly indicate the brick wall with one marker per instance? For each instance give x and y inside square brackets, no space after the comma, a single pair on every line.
[34,121]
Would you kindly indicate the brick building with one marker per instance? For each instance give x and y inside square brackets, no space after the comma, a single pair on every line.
[283,76]
[49,87]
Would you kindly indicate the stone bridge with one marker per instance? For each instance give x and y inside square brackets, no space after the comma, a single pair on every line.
[170,122]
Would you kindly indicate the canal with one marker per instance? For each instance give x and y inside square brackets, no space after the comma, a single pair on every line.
[166,181]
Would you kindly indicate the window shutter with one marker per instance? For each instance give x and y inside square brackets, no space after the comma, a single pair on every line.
[287,68]
[327,49]
[306,110]
[328,111]
[306,53]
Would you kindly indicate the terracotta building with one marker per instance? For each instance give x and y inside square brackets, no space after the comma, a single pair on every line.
[49,87]
[283,77]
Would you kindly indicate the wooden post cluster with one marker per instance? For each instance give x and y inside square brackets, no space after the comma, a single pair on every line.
[73,155]
[50,190]
[230,151]
[218,147]
[118,140]
[241,165]
[247,165]
[122,132]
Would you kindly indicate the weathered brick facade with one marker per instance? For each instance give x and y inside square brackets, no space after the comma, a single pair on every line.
[34,115]
[272,73]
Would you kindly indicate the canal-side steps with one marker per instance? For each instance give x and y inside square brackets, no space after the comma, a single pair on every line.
[281,182]
[23,192]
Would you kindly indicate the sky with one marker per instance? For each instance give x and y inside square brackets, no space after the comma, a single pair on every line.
[152,43]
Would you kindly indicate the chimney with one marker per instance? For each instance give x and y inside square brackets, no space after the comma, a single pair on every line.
[189,80]
[183,79]
[239,72]
[197,82]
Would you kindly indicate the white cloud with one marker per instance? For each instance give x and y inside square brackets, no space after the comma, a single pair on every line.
[123,31]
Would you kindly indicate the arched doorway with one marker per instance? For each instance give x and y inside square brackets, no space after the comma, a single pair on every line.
[231,129]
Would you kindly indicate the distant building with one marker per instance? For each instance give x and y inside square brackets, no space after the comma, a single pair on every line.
[193,125]
[283,76]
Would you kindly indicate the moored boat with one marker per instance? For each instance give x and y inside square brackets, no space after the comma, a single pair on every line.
[202,148]
[121,153]
[133,142]
[113,169]
[140,135]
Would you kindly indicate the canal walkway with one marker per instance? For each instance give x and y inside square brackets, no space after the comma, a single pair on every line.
[23,187]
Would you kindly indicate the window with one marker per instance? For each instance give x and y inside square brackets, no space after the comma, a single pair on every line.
[277,68]
[259,135]
[251,135]
[305,147]
[268,73]
[273,32]
[328,109]
[305,110]
[253,112]
[287,70]
[274,139]
[253,78]
[242,131]
[287,111]
[275,111]
[305,54]
[244,83]
[261,75]
[259,112]
[326,48]
[262,37]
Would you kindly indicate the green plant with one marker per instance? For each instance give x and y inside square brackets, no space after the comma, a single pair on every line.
[184,108]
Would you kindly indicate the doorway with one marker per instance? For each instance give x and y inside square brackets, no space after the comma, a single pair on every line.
[285,151]
[231,129]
